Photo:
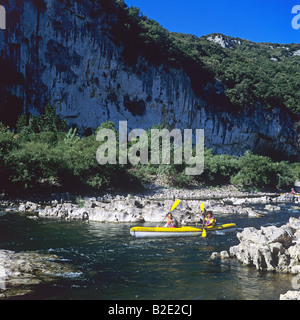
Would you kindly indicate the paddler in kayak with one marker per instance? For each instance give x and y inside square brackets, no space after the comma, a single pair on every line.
[172,222]
[210,220]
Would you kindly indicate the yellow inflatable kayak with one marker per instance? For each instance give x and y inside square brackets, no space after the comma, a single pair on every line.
[151,232]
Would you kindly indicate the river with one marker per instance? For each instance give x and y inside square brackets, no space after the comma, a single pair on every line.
[111,264]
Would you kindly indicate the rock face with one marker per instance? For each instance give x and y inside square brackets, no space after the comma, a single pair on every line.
[61,52]
[270,248]
[290,295]
[223,41]
[22,270]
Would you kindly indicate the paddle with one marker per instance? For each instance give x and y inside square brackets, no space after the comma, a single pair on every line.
[202,206]
[173,207]
[202,210]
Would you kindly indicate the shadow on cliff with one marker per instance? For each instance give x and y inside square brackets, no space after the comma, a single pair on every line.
[11,106]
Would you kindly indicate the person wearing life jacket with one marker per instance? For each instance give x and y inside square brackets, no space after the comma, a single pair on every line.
[172,222]
[210,220]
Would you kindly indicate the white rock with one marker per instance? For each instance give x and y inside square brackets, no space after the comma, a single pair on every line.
[295,269]
[224,255]
[290,295]
[269,207]
[215,255]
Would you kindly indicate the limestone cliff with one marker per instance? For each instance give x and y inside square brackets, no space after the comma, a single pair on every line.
[60,51]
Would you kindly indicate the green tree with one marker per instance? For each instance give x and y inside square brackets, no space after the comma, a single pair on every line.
[262,173]
[30,165]
[47,121]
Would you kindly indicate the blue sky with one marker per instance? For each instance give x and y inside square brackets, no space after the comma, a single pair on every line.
[255,20]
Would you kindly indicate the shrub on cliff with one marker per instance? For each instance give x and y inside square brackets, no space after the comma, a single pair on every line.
[218,169]
[48,121]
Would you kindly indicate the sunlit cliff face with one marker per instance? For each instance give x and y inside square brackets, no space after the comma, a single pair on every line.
[61,52]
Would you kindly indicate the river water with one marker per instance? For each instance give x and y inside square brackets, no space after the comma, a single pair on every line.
[110,264]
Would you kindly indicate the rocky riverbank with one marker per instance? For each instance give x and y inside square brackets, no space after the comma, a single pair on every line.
[150,207]
[19,272]
[271,248]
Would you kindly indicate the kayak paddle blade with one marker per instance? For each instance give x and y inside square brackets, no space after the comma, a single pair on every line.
[202,206]
[204,233]
[175,204]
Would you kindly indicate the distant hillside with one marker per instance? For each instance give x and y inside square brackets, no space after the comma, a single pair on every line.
[265,73]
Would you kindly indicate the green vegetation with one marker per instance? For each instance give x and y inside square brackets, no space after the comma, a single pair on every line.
[43,155]
[252,73]
[260,172]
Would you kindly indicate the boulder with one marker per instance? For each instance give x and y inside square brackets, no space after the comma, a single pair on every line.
[242,253]
[281,235]
[239,202]
[270,248]
[22,207]
[294,253]
[28,207]
[269,207]
[215,256]
[294,223]
[290,295]
[252,235]
[295,269]
[252,213]
[224,255]
[22,270]
[262,259]
[276,249]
